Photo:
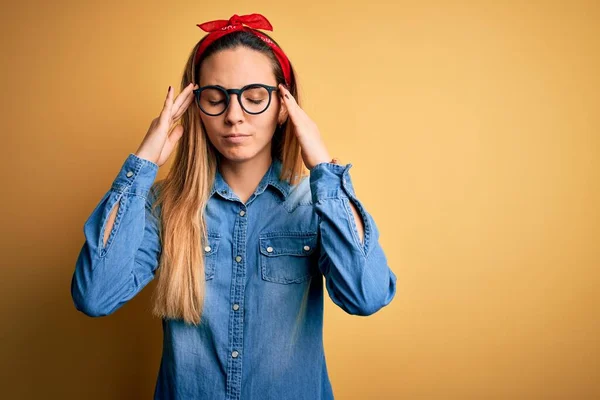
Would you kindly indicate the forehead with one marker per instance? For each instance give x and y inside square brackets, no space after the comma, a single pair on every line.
[234,68]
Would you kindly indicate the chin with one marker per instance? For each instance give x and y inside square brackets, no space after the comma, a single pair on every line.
[240,153]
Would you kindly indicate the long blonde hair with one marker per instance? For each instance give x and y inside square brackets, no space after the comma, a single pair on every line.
[184,193]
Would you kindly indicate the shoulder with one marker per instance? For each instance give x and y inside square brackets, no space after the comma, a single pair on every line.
[299,194]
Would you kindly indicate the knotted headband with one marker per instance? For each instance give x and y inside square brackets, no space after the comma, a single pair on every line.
[222,27]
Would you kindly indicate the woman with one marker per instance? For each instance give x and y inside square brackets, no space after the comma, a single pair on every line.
[238,237]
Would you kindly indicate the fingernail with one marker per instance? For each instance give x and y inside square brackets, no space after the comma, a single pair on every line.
[168,91]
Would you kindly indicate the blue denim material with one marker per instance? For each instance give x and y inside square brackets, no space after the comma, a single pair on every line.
[266,268]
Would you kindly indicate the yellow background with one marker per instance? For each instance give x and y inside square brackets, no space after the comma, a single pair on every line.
[473,130]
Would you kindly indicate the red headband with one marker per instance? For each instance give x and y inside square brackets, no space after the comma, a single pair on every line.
[222,27]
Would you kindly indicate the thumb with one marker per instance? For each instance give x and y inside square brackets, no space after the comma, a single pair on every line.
[175,134]
[171,142]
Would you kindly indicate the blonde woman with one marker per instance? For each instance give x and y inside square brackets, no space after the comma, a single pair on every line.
[237,235]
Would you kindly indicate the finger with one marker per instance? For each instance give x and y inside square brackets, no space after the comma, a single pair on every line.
[171,141]
[182,109]
[175,135]
[182,97]
[178,112]
[285,94]
[294,110]
[165,114]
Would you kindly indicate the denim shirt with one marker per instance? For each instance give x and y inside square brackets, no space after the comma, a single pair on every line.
[266,263]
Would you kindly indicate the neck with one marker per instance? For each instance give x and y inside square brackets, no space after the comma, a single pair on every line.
[244,176]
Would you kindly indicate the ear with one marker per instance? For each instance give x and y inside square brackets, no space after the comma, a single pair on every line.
[283,113]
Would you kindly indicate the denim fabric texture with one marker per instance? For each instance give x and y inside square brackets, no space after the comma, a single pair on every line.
[267,263]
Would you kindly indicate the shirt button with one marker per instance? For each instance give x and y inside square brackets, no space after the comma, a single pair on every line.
[207,249]
[242,213]
[307,248]
[234,354]
[129,174]
[238,259]
[236,307]
[270,249]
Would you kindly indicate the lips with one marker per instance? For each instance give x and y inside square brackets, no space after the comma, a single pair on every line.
[235,138]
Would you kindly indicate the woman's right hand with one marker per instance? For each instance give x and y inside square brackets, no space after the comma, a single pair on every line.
[158,143]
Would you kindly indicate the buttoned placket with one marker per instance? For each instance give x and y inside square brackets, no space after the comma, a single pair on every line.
[236,339]
[237,288]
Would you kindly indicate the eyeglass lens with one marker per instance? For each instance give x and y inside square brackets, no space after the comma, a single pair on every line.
[254,99]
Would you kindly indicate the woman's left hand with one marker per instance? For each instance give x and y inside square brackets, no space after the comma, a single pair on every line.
[313,148]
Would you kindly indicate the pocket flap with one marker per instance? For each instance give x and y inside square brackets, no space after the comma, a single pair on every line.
[288,243]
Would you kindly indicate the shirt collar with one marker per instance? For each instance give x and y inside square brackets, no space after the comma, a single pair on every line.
[270,178]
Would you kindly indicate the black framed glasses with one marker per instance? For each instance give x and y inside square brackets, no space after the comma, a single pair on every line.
[254,98]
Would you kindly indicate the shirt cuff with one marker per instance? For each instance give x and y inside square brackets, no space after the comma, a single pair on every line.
[136,176]
[328,180]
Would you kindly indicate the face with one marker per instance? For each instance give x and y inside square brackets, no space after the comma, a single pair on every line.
[233,69]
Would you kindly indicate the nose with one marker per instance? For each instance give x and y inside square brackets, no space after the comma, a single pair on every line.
[234,112]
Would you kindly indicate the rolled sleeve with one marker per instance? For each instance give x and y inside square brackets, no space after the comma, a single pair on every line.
[107,275]
[136,176]
[329,180]
[358,278]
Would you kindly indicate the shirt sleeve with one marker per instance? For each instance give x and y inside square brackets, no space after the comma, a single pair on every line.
[106,277]
[357,276]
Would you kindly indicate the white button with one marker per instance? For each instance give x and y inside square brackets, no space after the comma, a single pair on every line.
[207,249]
[242,213]
[236,307]
[307,248]
[129,174]
[238,259]
[270,249]
[234,354]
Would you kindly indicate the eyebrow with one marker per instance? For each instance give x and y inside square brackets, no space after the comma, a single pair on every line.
[248,84]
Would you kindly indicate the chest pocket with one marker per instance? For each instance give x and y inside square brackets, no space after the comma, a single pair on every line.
[288,257]
[210,255]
